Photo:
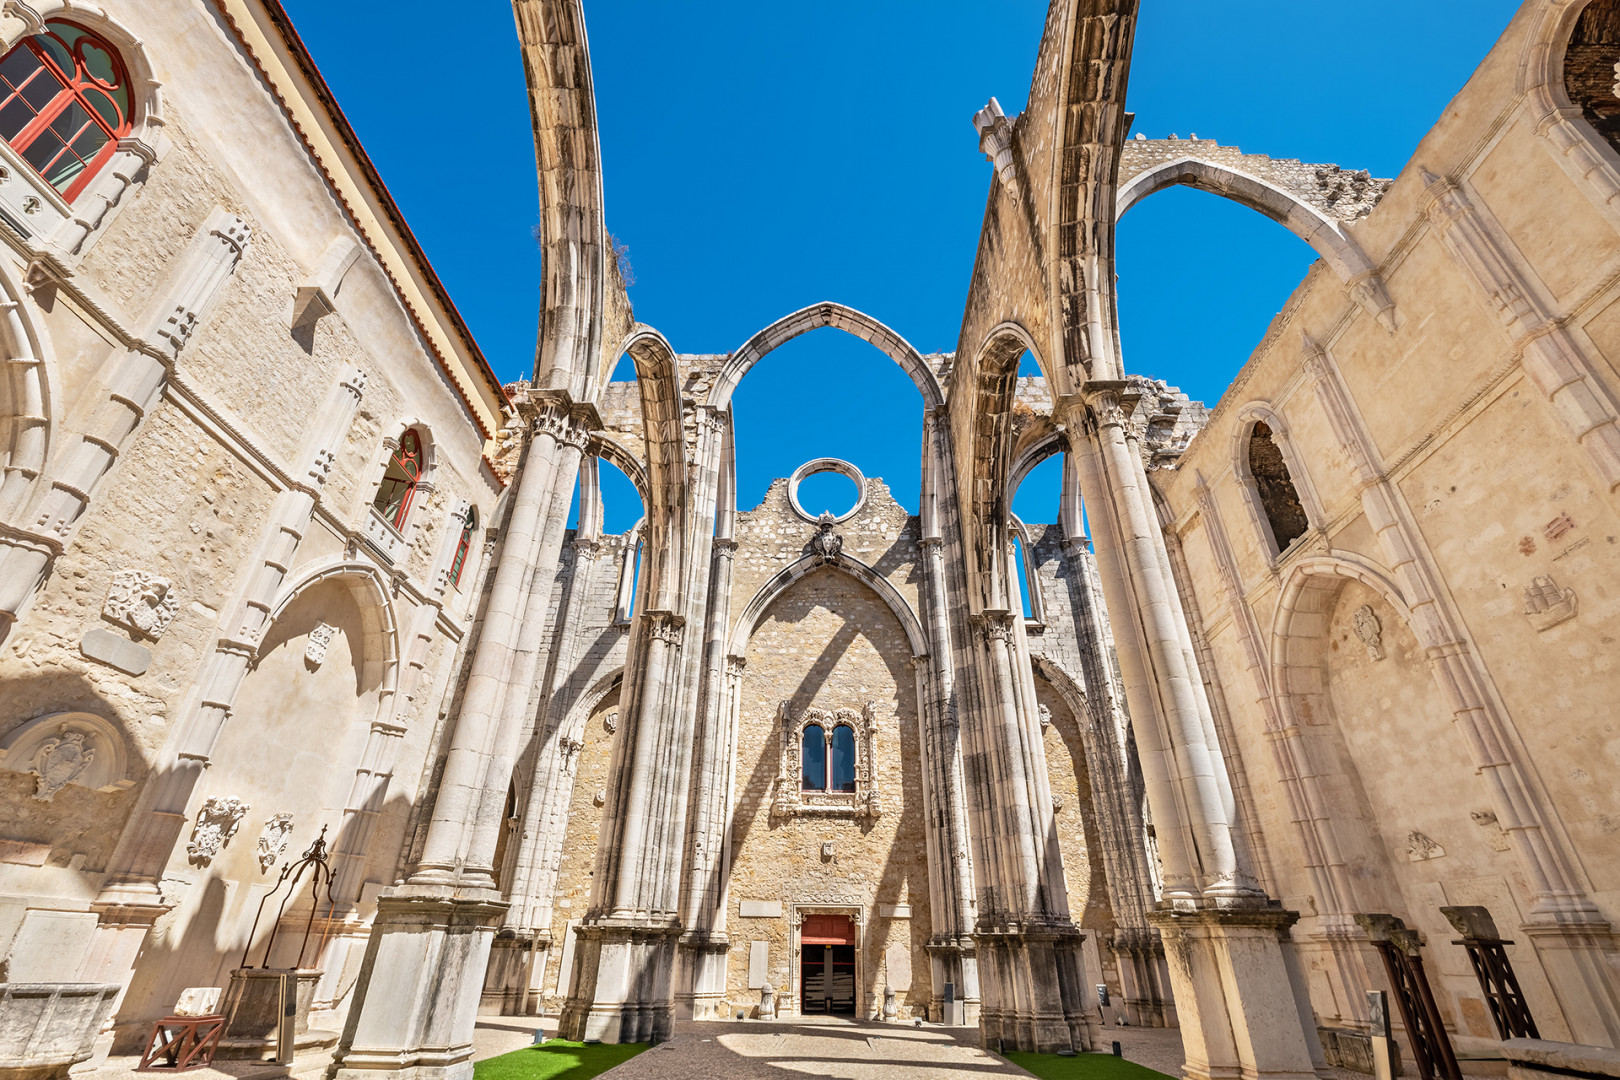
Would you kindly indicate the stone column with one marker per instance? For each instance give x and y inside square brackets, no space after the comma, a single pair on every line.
[135,384]
[416,1000]
[1222,935]
[623,988]
[1116,795]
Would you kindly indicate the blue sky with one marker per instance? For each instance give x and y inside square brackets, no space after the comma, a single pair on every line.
[761,157]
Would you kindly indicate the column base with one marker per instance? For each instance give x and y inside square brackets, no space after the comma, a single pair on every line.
[1146,997]
[416,1001]
[701,966]
[954,962]
[1580,958]
[509,981]
[623,983]
[1240,1017]
[1034,992]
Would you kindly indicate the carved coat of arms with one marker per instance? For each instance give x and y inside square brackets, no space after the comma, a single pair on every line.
[142,601]
[217,822]
[60,761]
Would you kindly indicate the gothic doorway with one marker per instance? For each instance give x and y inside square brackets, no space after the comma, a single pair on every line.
[827,965]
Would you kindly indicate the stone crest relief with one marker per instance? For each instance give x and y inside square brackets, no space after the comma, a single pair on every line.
[217,822]
[320,640]
[827,544]
[273,841]
[141,601]
[1370,630]
[60,761]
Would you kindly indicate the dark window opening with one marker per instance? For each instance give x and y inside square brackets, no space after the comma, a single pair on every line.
[463,546]
[1276,488]
[843,759]
[813,765]
[1589,75]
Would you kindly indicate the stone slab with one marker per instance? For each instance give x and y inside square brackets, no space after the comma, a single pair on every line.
[759,959]
[762,909]
[115,651]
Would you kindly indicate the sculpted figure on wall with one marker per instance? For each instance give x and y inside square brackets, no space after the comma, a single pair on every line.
[217,822]
[320,640]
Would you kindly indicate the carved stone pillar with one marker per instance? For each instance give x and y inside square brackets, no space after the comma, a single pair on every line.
[1031,974]
[705,946]
[135,384]
[1234,997]
[623,988]
[432,935]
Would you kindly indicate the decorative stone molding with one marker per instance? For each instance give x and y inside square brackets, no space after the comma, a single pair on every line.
[273,840]
[1546,605]
[1370,631]
[996,140]
[826,465]
[141,601]
[217,822]
[320,640]
[865,803]
[67,748]
[664,626]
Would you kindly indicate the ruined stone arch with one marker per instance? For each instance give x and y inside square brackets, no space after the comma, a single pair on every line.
[815,317]
[1092,73]
[986,443]
[1262,504]
[370,588]
[1326,235]
[1591,160]
[664,493]
[568,159]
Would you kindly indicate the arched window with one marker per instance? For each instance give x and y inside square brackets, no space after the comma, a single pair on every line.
[65,104]
[814,759]
[1278,496]
[1589,67]
[463,545]
[399,483]
[843,758]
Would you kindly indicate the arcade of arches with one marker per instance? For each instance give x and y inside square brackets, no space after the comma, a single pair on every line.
[1291,701]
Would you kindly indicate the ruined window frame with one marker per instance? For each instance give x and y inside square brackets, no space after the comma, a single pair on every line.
[1298,478]
[792,799]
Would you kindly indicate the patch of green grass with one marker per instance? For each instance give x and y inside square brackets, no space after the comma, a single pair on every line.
[1079,1067]
[558,1059]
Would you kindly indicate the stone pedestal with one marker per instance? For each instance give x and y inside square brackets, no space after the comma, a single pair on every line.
[47,1027]
[624,982]
[509,983]
[952,962]
[1239,1013]
[416,1001]
[1145,995]
[702,960]
[1035,996]
[253,1007]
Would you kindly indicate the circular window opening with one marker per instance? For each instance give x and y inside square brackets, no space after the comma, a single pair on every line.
[828,492]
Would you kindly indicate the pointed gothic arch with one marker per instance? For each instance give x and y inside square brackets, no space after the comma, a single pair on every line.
[784,579]
[814,317]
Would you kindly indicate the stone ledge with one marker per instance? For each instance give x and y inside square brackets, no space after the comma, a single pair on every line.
[1535,1057]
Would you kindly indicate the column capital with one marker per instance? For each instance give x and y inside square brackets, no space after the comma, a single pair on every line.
[664,626]
[995,624]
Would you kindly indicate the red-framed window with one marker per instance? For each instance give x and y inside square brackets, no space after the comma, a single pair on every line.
[64,104]
[463,546]
[399,483]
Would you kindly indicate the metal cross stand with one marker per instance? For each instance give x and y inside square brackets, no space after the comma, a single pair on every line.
[259,1007]
[1488,953]
[1403,963]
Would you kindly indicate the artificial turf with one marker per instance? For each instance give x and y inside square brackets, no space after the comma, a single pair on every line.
[558,1059]
[1079,1067]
